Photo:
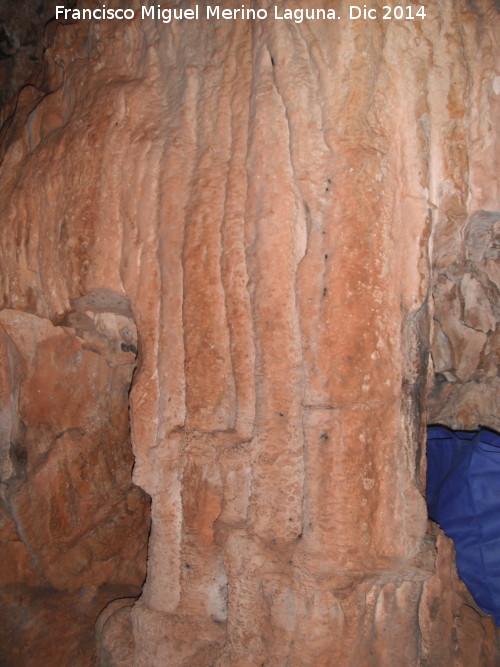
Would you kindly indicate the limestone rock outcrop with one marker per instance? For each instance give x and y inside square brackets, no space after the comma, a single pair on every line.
[277,200]
[466,340]
[73,526]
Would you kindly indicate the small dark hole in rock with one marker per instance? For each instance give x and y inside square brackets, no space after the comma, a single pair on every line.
[128,347]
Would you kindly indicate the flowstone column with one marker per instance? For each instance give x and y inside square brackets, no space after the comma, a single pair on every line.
[295,209]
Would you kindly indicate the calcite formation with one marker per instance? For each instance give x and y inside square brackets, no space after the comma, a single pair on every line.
[73,526]
[282,204]
[466,342]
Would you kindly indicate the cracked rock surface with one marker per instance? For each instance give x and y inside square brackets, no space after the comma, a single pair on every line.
[466,341]
[73,526]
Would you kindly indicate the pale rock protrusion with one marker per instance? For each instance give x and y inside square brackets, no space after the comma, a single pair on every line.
[478,312]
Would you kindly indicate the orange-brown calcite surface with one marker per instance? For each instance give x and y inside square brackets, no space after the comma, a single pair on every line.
[74,527]
[275,199]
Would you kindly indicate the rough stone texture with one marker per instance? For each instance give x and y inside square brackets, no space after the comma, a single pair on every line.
[454,631]
[74,527]
[114,634]
[265,194]
[44,627]
[465,391]
[25,31]
[466,339]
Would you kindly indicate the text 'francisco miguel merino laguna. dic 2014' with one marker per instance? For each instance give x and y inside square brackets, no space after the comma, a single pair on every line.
[169,14]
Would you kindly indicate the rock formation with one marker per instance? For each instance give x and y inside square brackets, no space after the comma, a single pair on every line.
[73,526]
[280,208]
[466,342]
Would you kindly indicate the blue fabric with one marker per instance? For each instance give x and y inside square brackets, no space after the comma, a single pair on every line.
[463,496]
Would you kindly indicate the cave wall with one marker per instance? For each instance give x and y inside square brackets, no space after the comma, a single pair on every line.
[465,391]
[278,201]
[22,42]
[73,526]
